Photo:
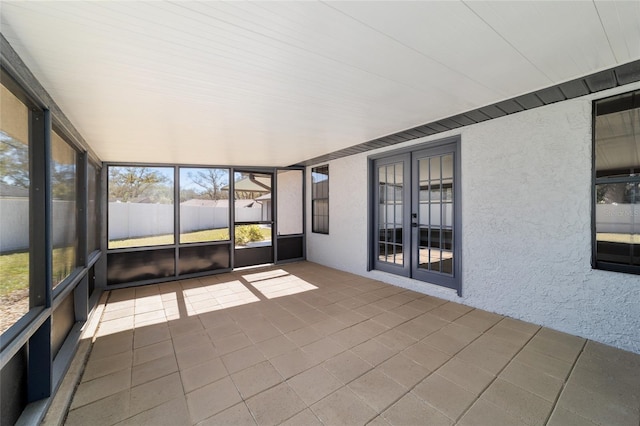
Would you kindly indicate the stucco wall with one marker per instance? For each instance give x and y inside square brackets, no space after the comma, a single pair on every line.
[289,202]
[526,225]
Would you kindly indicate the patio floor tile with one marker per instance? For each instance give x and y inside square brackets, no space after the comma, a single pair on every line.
[329,347]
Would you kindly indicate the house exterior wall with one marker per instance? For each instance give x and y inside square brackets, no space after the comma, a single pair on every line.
[526,225]
[289,202]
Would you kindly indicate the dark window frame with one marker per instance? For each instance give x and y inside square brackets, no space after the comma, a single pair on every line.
[617,103]
[317,228]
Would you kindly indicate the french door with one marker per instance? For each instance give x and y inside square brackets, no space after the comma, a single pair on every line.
[416,216]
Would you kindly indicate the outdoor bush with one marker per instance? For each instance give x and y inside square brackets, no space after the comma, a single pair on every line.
[248,233]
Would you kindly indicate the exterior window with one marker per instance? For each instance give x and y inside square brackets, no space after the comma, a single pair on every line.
[617,183]
[320,199]
[63,193]
[140,206]
[15,181]
[204,205]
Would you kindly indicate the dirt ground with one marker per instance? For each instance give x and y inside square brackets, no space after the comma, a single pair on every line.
[12,308]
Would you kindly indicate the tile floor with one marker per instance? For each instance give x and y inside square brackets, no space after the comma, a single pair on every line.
[307,345]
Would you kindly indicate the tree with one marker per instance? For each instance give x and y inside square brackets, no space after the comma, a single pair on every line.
[14,161]
[211,182]
[63,181]
[129,183]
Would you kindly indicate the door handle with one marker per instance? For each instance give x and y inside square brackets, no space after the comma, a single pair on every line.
[414,225]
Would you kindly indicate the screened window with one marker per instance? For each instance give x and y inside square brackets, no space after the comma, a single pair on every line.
[63,193]
[320,199]
[15,182]
[140,206]
[204,205]
[93,208]
[617,183]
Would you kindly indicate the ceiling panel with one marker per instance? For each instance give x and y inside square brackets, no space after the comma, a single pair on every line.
[455,43]
[277,83]
[621,20]
[562,39]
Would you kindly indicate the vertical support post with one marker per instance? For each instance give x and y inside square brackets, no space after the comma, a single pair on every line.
[304,213]
[176,219]
[274,215]
[232,218]
[39,238]
[81,200]
[40,378]
[101,265]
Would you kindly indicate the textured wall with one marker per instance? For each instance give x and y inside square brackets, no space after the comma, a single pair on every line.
[289,202]
[526,230]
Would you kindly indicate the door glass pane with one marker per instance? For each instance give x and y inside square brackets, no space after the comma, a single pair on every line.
[252,197]
[204,204]
[64,193]
[248,236]
[390,213]
[447,166]
[140,206]
[15,182]
[435,214]
[252,204]
[290,202]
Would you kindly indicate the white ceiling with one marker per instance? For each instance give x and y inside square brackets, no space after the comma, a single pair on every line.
[276,83]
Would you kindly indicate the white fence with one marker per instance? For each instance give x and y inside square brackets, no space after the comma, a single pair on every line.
[14,223]
[131,220]
[618,218]
[436,217]
[134,220]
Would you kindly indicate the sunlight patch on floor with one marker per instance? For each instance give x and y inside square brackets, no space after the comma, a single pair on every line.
[282,286]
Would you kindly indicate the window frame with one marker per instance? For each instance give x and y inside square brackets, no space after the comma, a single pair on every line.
[315,227]
[620,102]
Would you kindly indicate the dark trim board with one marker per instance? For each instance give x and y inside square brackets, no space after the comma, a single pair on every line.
[603,80]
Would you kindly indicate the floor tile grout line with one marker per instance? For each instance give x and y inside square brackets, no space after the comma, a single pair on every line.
[84,364]
[496,376]
[565,382]
[320,363]
[411,388]
[297,313]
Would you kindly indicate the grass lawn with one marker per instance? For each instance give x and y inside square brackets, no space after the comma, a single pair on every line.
[14,269]
[618,238]
[191,237]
